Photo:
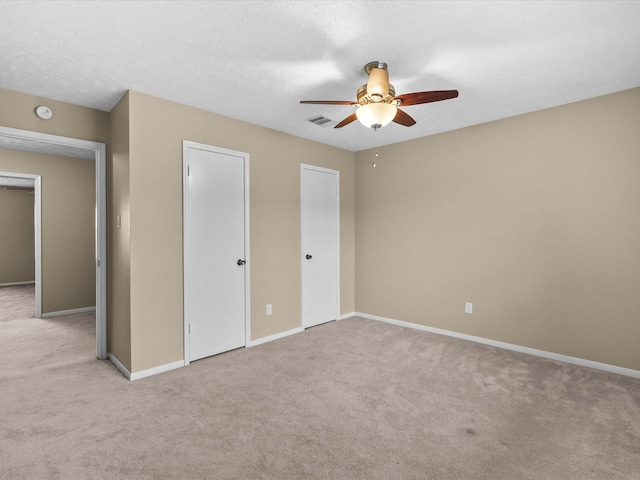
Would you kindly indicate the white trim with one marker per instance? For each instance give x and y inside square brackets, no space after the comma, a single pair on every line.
[119,366]
[275,336]
[185,241]
[186,145]
[303,167]
[156,370]
[247,254]
[101,249]
[185,264]
[347,315]
[99,150]
[37,230]
[144,373]
[15,284]
[38,243]
[508,346]
[68,312]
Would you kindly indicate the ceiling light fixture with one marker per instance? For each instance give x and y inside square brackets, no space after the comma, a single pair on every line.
[376,115]
[377,107]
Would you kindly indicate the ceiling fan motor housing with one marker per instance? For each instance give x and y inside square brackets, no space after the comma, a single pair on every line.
[378,83]
[364,97]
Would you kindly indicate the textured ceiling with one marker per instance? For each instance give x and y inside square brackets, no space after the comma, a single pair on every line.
[255,60]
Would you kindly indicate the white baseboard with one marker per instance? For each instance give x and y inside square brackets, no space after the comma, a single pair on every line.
[275,336]
[293,331]
[119,366]
[180,363]
[144,373]
[508,346]
[69,312]
[15,284]
[156,370]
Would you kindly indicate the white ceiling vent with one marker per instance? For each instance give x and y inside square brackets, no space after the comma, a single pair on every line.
[321,121]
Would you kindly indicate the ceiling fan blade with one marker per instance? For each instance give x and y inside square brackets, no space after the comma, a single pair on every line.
[426,97]
[328,102]
[347,121]
[403,119]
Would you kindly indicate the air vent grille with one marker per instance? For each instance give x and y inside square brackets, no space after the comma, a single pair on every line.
[321,121]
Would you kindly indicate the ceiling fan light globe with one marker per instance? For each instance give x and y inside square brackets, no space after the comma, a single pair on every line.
[376,115]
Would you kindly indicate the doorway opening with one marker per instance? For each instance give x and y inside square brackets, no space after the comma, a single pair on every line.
[30,182]
[25,140]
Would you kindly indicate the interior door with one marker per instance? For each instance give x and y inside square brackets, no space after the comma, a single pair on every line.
[320,245]
[215,250]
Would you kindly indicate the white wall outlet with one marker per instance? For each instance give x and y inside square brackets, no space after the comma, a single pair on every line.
[269,309]
[468,308]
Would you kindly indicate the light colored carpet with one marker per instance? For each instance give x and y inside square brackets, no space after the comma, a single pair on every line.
[354,399]
[17,302]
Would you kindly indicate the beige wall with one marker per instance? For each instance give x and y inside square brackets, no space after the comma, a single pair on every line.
[17,258]
[68,226]
[119,243]
[157,128]
[18,111]
[534,219]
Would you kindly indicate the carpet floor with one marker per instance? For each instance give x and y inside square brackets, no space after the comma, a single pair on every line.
[354,399]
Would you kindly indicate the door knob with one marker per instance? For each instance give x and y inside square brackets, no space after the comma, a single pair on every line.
[241,262]
[308,257]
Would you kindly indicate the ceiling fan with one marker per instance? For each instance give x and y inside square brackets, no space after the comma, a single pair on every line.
[377,103]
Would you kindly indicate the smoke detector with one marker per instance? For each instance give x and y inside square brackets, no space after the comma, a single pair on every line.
[43,112]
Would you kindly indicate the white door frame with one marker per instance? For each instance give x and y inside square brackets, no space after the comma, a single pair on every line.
[37,228]
[304,167]
[185,209]
[100,155]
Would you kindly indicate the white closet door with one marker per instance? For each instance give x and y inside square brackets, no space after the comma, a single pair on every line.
[320,245]
[215,251]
